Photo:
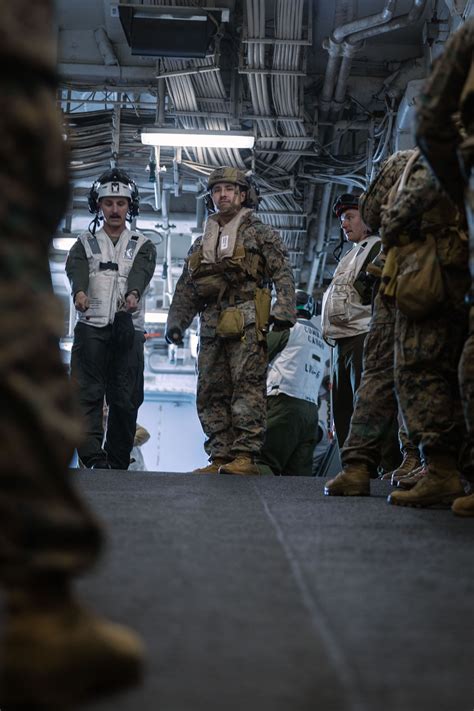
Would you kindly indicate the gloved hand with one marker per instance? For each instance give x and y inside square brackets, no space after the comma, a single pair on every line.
[279,325]
[174,336]
[123,332]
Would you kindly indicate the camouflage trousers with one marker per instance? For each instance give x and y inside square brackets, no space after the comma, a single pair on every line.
[231,394]
[427,355]
[373,434]
[46,532]
[466,382]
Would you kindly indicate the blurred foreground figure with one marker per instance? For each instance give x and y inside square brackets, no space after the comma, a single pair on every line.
[54,653]
[450,153]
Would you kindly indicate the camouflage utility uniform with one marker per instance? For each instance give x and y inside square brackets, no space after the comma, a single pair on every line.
[450,88]
[53,653]
[375,404]
[46,529]
[427,351]
[231,389]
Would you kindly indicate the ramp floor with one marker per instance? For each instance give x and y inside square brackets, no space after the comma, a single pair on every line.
[261,593]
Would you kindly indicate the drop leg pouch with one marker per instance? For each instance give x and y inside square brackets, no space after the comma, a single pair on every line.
[231,323]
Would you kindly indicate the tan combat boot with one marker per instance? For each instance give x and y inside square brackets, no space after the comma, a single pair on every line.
[409,481]
[212,467]
[410,462]
[56,654]
[439,487]
[240,465]
[464,506]
[354,480]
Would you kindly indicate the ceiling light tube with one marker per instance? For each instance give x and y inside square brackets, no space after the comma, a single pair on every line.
[199,139]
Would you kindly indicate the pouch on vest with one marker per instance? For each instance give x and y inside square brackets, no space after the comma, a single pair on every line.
[231,323]
[419,284]
[263,302]
[209,280]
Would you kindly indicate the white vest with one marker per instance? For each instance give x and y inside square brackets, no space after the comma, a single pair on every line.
[343,314]
[298,369]
[108,285]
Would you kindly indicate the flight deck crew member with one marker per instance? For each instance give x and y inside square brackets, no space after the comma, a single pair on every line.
[109,271]
[224,275]
[346,311]
[295,373]
[54,653]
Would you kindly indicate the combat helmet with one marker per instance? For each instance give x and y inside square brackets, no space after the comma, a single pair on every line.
[227,174]
[371,201]
[305,305]
[114,183]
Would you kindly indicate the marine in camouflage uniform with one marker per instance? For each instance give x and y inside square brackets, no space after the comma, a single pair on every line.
[450,88]
[231,388]
[427,351]
[47,534]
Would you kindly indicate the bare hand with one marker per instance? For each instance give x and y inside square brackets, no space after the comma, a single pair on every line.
[81,301]
[131,302]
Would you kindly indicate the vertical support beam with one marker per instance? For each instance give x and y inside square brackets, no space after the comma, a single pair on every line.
[115,148]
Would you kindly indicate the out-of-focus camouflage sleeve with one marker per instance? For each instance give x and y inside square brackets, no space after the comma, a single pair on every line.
[25,36]
[279,270]
[186,303]
[436,134]
[420,193]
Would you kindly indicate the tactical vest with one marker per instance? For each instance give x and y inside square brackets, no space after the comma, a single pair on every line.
[229,275]
[343,314]
[298,369]
[109,267]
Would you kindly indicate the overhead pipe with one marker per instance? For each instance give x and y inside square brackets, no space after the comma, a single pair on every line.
[321,236]
[334,46]
[353,43]
[105,47]
[364,23]
[396,24]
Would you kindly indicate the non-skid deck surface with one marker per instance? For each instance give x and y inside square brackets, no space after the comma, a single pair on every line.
[262,594]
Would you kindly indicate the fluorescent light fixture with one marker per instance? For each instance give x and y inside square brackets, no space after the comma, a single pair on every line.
[198,139]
